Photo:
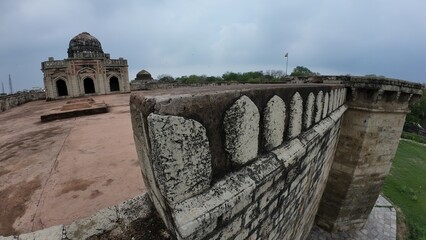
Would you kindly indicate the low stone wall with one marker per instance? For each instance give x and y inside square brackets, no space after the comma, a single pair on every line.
[13,100]
[133,219]
[238,161]
[154,85]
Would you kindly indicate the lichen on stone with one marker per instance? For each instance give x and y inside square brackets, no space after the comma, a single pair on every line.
[274,122]
[241,125]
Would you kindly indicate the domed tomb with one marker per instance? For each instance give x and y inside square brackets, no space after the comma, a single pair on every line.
[87,71]
[85,45]
[143,75]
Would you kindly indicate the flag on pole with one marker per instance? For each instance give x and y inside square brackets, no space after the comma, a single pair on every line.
[286,55]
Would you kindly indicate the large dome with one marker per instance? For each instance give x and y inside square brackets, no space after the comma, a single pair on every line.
[143,75]
[85,44]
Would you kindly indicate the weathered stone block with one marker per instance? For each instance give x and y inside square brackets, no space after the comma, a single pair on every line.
[319,105]
[180,156]
[274,122]
[135,208]
[241,125]
[196,213]
[290,152]
[229,231]
[103,221]
[52,233]
[326,103]
[331,102]
[309,111]
[296,111]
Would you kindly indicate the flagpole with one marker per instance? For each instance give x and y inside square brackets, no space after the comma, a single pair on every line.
[286,64]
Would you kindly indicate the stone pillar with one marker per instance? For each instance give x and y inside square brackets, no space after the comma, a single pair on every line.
[369,137]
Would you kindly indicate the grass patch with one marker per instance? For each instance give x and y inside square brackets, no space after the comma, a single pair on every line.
[414,137]
[405,186]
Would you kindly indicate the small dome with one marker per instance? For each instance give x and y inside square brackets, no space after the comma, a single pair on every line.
[84,43]
[143,75]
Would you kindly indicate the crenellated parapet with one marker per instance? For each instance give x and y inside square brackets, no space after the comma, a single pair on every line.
[238,161]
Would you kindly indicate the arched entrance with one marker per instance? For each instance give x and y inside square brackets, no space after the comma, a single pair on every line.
[113,84]
[89,86]
[61,87]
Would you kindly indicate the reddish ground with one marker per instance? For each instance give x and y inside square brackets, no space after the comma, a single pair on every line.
[56,172]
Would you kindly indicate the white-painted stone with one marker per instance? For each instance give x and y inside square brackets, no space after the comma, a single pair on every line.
[322,127]
[9,238]
[101,222]
[241,125]
[52,233]
[337,115]
[201,211]
[330,102]
[135,208]
[262,168]
[326,102]
[319,106]
[290,152]
[296,111]
[274,122]
[309,111]
[336,99]
[180,157]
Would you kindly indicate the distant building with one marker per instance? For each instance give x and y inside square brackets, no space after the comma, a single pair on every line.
[86,71]
[143,78]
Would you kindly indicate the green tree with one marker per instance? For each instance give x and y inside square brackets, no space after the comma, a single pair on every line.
[418,111]
[231,76]
[165,78]
[301,71]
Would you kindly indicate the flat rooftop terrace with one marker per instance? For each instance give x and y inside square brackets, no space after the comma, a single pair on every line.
[57,172]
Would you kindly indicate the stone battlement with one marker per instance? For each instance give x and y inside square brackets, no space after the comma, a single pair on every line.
[240,161]
[266,161]
[260,161]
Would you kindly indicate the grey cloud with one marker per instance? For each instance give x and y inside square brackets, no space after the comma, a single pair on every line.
[211,37]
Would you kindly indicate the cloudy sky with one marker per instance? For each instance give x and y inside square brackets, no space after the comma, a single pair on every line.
[357,37]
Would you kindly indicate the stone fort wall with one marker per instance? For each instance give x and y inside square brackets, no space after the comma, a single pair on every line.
[238,163]
[259,161]
[267,161]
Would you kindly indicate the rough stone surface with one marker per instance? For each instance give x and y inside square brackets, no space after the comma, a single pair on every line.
[202,211]
[331,102]
[289,152]
[309,111]
[10,101]
[296,111]
[101,222]
[319,106]
[52,233]
[326,103]
[274,122]
[241,125]
[134,208]
[180,156]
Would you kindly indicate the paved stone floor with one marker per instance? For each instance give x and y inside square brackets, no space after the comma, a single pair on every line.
[381,225]
[57,172]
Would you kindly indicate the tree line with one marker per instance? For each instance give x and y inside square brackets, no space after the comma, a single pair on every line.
[247,77]
[418,111]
